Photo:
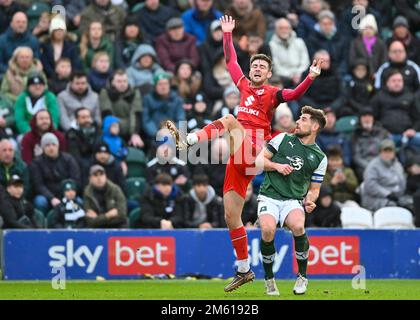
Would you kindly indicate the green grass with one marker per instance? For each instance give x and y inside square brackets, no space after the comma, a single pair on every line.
[207,289]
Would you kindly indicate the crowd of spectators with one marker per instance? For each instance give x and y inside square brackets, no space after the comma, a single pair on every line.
[82,89]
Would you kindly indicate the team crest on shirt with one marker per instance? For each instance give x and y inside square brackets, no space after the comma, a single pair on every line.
[296,162]
[260,92]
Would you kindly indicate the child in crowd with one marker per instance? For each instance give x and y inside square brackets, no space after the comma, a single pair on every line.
[61,76]
[100,72]
[231,99]
[69,213]
[111,135]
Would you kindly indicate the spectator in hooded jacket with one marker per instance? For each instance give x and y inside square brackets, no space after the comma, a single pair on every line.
[111,135]
[326,36]
[394,107]
[123,101]
[36,97]
[289,54]
[160,105]
[401,32]
[143,68]
[205,207]
[21,65]
[368,45]
[78,94]
[40,124]
[163,206]
[366,140]
[16,211]
[384,179]
[175,44]
[397,59]
[48,170]
[17,35]
[104,202]
[59,44]
[327,212]
[69,214]
[111,17]
[197,19]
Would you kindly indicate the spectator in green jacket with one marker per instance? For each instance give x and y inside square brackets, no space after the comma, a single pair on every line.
[104,202]
[33,99]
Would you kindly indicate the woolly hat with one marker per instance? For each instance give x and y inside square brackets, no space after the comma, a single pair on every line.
[49,138]
[57,23]
[368,21]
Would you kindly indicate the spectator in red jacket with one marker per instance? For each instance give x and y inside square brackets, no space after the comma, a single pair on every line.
[175,44]
[41,123]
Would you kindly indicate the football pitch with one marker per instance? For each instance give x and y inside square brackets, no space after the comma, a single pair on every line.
[207,290]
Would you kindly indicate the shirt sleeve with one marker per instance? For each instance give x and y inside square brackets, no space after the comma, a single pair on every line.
[274,144]
[319,173]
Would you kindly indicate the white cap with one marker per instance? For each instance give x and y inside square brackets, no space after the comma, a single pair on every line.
[368,21]
[283,110]
[57,23]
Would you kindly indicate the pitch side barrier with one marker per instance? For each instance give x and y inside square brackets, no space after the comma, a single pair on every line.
[129,254]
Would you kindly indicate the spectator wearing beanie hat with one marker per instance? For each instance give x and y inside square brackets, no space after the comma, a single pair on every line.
[284,122]
[69,213]
[59,40]
[160,105]
[48,171]
[36,97]
[401,32]
[368,45]
[231,99]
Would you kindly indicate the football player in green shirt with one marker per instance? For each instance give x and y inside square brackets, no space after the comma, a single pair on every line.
[295,167]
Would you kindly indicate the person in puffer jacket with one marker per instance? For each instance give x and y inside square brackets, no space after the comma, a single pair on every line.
[111,135]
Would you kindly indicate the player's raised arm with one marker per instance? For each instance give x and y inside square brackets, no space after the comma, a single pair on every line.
[228,24]
[297,93]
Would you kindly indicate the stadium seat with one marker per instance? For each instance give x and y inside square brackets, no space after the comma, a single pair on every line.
[50,217]
[393,218]
[136,162]
[346,124]
[135,187]
[356,218]
[40,218]
[133,218]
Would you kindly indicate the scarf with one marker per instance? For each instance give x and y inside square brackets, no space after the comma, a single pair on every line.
[369,43]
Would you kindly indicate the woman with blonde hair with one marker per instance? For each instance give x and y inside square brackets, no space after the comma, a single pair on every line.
[21,65]
[93,41]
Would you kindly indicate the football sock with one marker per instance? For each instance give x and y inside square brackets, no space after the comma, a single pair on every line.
[211,131]
[239,240]
[268,252]
[301,252]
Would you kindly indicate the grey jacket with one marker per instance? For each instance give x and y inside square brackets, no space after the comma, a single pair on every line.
[380,180]
[69,103]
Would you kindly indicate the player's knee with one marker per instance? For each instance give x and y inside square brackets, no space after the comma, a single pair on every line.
[298,229]
[267,233]
[229,120]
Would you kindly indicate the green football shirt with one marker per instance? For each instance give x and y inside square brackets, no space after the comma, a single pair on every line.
[309,165]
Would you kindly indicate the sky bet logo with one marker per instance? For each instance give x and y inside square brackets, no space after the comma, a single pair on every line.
[126,255]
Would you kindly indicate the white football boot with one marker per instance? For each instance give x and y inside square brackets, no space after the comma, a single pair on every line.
[301,285]
[271,287]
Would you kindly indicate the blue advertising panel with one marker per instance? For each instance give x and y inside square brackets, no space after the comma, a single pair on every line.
[129,254]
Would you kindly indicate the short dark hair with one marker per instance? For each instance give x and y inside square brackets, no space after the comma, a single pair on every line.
[335,152]
[200,179]
[78,74]
[76,113]
[317,115]
[261,56]
[62,59]
[392,72]
[164,178]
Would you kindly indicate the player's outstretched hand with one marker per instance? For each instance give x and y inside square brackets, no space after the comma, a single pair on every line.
[284,169]
[309,206]
[315,69]
[228,24]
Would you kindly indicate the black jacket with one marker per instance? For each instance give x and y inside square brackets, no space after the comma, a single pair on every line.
[67,216]
[17,213]
[358,93]
[47,174]
[210,52]
[175,169]
[408,69]
[154,208]
[396,111]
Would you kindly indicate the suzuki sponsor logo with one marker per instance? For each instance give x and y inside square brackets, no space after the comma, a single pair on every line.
[332,255]
[249,111]
[69,256]
[141,255]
